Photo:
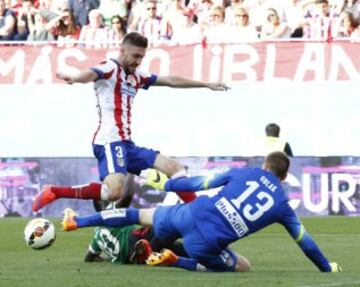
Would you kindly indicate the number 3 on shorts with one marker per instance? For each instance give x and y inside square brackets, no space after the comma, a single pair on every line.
[119,155]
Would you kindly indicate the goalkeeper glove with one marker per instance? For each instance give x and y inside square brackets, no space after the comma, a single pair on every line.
[156,179]
[335,267]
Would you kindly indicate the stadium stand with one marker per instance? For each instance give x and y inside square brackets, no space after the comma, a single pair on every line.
[321,20]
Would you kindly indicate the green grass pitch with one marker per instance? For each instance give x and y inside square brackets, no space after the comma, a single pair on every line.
[276,260]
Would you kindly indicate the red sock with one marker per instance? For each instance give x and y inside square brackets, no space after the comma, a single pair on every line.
[186,196]
[88,191]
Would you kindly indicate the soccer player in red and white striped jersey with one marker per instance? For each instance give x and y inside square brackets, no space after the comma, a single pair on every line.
[116,84]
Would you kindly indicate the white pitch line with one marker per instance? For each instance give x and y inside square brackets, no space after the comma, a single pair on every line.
[312,233]
[353,283]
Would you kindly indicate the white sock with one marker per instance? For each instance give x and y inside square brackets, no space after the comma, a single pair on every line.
[104,192]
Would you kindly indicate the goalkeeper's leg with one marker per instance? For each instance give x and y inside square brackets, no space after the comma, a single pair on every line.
[168,258]
[111,218]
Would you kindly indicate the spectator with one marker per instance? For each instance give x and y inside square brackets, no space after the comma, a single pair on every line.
[201,10]
[22,22]
[230,11]
[173,19]
[257,13]
[189,32]
[319,25]
[95,34]
[81,9]
[273,141]
[273,28]
[117,31]
[150,24]
[242,31]
[347,25]
[217,30]
[110,7]
[355,35]
[7,23]
[16,5]
[65,28]
[353,6]
[294,17]
[43,4]
[37,28]
[135,12]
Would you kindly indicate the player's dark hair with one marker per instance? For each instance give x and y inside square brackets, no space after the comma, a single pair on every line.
[135,39]
[321,1]
[278,163]
[272,130]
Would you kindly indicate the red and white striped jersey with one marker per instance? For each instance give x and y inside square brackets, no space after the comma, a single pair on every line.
[151,29]
[115,91]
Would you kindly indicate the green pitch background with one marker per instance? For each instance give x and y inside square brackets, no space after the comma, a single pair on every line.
[276,260]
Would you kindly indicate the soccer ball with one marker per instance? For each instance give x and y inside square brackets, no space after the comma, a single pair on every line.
[39,233]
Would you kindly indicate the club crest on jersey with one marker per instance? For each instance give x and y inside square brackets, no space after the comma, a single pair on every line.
[128,90]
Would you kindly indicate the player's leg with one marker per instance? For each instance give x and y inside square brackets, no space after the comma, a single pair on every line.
[173,169]
[124,201]
[224,261]
[140,247]
[140,159]
[110,218]
[203,256]
[115,185]
[50,193]
[128,193]
[112,169]
[218,263]
[173,222]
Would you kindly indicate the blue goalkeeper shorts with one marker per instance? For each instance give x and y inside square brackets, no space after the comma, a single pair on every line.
[173,222]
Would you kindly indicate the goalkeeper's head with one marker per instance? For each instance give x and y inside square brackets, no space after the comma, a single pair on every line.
[278,163]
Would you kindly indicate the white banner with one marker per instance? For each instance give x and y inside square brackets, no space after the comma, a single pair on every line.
[317,119]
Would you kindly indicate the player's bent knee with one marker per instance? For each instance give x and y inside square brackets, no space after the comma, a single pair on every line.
[115,183]
[115,193]
[167,165]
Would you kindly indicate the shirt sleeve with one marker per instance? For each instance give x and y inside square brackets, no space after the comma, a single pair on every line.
[146,79]
[104,70]
[197,183]
[298,232]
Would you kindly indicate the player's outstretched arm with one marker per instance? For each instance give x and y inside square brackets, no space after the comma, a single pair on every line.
[160,181]
[82,77]
[307,244]
[179,82]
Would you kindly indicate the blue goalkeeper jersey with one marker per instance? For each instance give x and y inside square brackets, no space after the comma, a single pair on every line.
[250,200]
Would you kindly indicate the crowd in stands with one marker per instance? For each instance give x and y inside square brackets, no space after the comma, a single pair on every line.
[103,23]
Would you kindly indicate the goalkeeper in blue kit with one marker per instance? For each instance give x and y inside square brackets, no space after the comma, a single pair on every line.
[250,200]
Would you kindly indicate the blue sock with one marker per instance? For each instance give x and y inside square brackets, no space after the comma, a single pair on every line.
[186,263]
[111,218]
